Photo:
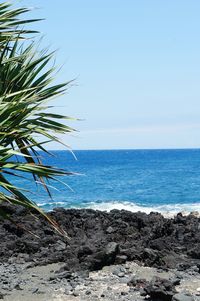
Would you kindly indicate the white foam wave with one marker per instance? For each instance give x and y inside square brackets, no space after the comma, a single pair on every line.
[166,210]
[169,210]
[52,204]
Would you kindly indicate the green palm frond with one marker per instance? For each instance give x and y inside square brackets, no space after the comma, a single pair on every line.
[10,23]
[26,87]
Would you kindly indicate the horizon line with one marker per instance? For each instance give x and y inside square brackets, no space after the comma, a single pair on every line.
[117,149]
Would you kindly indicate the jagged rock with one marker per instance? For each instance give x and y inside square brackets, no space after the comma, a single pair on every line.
[160,289]
[100,238]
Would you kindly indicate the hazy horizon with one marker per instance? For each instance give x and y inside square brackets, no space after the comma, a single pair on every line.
[118,149]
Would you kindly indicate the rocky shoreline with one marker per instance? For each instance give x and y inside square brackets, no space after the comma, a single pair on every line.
[168,248]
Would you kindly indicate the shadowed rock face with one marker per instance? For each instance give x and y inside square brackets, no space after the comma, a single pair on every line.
[100,238]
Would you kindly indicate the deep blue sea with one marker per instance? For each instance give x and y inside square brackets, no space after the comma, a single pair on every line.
[145,180]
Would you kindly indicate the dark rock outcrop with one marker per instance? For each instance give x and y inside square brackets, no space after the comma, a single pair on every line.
[100,238]
[161,289]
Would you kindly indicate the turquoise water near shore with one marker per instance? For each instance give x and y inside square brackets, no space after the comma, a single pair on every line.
[146,180]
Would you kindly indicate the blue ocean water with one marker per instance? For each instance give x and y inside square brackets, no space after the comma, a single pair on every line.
[146,180]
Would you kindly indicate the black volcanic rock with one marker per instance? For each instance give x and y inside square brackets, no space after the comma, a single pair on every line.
[99,238]
[160,289]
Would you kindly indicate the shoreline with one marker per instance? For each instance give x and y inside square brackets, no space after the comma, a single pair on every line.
[101,239]
[167,211]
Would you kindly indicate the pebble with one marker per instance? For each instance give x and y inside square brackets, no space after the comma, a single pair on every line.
[182,297]
[35,290]
[75,293]
[119,271]
[110,230]
[121,274]
[18,287]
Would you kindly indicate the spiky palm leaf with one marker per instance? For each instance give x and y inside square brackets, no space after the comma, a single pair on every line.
[10,22]
[25,88]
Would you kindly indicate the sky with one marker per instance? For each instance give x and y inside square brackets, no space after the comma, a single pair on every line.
[136,65]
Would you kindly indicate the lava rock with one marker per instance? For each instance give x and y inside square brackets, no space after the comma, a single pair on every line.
[100,238]
[160,289]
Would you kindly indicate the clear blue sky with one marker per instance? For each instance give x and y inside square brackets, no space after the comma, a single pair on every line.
[137,70]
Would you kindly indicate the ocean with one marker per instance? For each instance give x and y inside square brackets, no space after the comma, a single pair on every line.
[167,181]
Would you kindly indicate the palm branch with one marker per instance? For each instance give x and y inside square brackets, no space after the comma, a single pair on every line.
[11,22]
[26,87]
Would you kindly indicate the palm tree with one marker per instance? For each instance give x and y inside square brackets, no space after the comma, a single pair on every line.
[26,86]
